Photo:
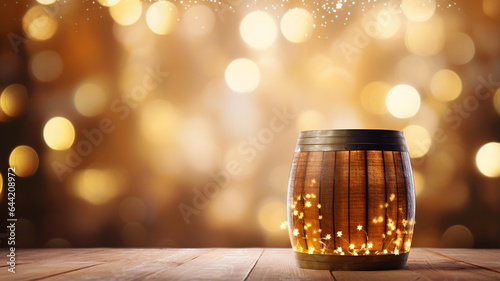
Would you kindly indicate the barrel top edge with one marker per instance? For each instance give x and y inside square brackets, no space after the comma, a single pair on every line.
[351,132]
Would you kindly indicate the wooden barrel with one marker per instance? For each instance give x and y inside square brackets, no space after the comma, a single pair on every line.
[351,200]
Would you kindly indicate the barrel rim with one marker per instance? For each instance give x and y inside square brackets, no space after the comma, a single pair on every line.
[351,133]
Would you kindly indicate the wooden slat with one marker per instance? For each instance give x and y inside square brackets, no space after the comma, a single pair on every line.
[357,199]
[279,264]
[423,265]
[220,264]
[311,194]
[391,205]
[290,203]
[341,199]
[298,223]
[410,195]
[376,198]
[401,199]
[484,258]
[326,199]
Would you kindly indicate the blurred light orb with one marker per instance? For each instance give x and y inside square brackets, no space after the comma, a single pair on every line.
[57,243]
[382,25]
[419,181]
[418,139]
[271,215]
[133,209]
[39,24]
[258,29]
[109,3]
[460,48]
[497,100]
[59,133]
[488,159]
[25,161]
[242,75]
[134,234]
[158,121]
[373,97]
[403,101]
[161,17]
[47,66]
[199,20]
[46,2]
[126,12]
[491,8]
[457,236]
[297,25]
[228,207]
[96,186]
[1,183]
[426,38]
[418,10]
[311,120]
[90,99]
[446,85]
[13,100]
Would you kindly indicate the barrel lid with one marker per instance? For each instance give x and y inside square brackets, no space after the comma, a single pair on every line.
[351,139]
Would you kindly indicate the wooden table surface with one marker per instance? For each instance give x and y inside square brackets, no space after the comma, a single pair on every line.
[235,264]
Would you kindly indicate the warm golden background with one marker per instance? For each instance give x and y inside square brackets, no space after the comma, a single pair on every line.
[126,110]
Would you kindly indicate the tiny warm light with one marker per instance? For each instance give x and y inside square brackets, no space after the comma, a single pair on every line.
[426,38]
[446,85]
[403,101]
[90,99]
[59,133]
[97,186]
[126,12]
[242,75]
[1,183]
[418,10]
[47,66]
[162,17]
[13,100]
[109,3]
[373,97]
[25,161]
[488,159]
[39,24]
[297,25]
[311,120]
[418,139]
[460,48]
[271,215]
[198,20]
[258,29]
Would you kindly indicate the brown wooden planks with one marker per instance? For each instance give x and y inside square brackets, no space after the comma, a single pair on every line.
[376,198]
[326,199]
[341,199]
[483,258]
[401,199]
[410,195]
[357,198]
[391,204]
[311,201]
[291,199]
[279,264]
[298,220]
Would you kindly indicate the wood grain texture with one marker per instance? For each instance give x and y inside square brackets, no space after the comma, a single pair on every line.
[237,264]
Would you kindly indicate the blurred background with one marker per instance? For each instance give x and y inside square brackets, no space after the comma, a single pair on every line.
[173,124]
